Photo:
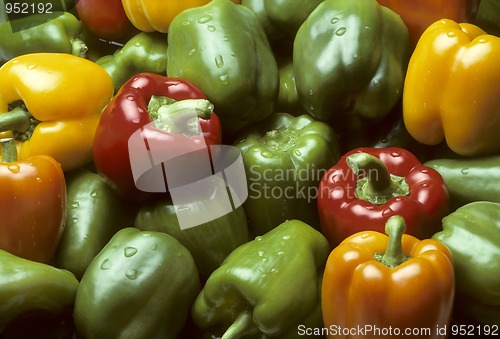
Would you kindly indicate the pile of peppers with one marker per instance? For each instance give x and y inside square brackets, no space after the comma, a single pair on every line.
[352,146]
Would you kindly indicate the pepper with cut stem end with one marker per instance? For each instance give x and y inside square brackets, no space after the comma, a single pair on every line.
[410,286]
[369,185]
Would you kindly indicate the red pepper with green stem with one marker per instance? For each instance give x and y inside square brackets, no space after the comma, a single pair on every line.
[135,106]
[369,185]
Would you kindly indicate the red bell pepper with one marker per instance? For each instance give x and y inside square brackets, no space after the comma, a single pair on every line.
[32,204]
[369,185]
[128,112]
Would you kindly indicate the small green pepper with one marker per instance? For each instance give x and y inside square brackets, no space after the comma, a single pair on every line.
[141,285]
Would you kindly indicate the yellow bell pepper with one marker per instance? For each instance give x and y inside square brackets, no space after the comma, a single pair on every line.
[452,88]
[156,15]
[51,104]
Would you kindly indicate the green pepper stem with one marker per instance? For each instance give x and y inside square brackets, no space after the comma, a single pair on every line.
[9,150]
[395,227]
[242,325]
[78,47]
[376,185]
[17,119]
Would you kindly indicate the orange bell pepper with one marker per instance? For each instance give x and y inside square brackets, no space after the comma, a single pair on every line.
[384,287]
[156,15]
[452,87]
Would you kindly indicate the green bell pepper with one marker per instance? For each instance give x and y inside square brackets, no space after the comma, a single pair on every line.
[94,214]
[361,51]
[145,52]
[268,286]
[209,243]
[284,158]
[222,48]
[468,180]
[472,233]
[288,98]
[57,33]
[27,286]
[141,285]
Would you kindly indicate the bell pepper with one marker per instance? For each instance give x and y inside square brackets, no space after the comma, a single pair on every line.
[57,32]
[454,58]
[418,15]
[266,287]
[27,286]
[53,103]
[145,52]
[281,19]
[388,286]
[157,15]
[209,243]
[134,108]
[469,180]
[488,16]
[288,99]
[472,235]
[94,213]
[33,204]
[361,51]
[222,48]
[145,282]
[284,158]
[369,185]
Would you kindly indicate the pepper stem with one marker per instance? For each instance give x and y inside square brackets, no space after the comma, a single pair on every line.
[78,47]
[395,228]
[376,184]
[18,119]
[9,150]
[243,325]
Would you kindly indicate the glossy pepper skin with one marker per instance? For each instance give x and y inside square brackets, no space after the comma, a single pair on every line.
[361,50]
[418,15]
[53,102]
[144,281]
[144,52]
[157,15]
[56,33]
[33,205]
[28,286]
[128,112]
[209,243]
[222,48]
[469,180]
[267,286]
[441,106]
[94,214]
[284,158]
[397,281]
[369,185]
[472,235]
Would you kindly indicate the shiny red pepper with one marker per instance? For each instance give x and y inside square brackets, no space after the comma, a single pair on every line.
[128,112]
[369,185]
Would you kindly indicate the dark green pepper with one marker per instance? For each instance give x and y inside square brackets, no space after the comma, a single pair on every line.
[57,33]
[222,48]
[266,287]
[141,285]
[27,286]
[288,99]
[360,52]
[94,214]
[472,233]
[284,158]
[145,52]
[469,179]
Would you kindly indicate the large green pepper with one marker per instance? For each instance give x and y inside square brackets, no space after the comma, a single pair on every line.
[222,48]
[57,33]
[94,214]
[268,286]
[145,52]
[470,180]
[27,286]
[141,285]
[472,233]
[350,61]
[284,158]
